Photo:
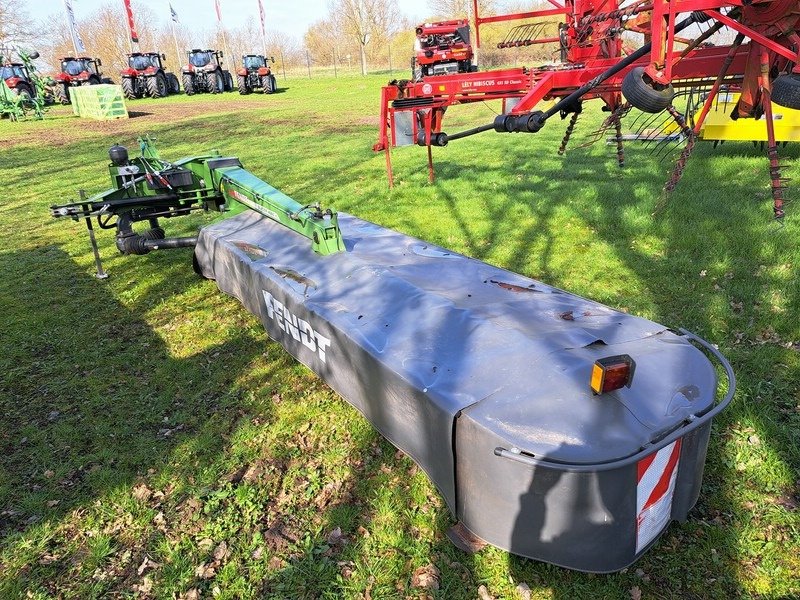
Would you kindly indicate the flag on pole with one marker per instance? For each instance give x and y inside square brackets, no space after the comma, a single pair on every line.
[261,14]
[131,25]
[77,42]
[219,10]
[172,13]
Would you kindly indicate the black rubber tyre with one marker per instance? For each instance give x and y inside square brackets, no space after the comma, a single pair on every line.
[25,95]
[93,80]
[269,84]
[61,93]
[642,95]
[188,84]
[128,88]
[228,81]
[786,91]
[157,86]
[172,84]
[241,82]
[215,82]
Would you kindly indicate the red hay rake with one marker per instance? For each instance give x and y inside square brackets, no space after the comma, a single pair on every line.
[595,62]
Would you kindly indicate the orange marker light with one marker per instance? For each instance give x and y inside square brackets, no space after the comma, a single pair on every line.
[612,373]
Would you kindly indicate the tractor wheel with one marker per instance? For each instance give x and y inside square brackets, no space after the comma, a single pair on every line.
[172,84]
[215,82]
[61,93]
[786,91]
[188,84]
[157,86]
[269,84]
[241,81]
[128,88]
[643,95]
[228,81]
[25,96]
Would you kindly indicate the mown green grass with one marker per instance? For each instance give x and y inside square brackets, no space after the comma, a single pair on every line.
[147,418]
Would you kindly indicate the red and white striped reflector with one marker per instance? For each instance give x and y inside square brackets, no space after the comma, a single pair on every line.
[655,487]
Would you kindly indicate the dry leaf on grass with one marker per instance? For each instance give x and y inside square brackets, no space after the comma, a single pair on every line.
[205,571]
[142,492]
[524,591]
[147,564]
[483,593]
[426,577]
[636,593]
[221,552]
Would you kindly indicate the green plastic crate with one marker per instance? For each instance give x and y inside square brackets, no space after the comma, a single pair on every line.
[101,102]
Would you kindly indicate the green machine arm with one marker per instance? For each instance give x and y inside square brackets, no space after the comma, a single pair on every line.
[147,188]
[321,227]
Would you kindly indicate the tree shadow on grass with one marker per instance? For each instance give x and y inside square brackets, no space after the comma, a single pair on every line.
[94,400]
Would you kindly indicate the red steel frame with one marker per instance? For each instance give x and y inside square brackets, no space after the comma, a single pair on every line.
[589,55]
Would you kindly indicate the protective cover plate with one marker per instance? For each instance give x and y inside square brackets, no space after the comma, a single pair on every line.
[416,336]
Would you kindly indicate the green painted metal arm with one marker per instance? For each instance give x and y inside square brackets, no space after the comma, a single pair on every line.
[321,227]
[148,187]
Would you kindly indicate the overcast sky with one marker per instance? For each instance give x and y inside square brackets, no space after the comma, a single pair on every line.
[290,17]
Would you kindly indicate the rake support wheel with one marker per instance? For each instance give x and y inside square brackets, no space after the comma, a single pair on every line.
[786,91]
[641,94]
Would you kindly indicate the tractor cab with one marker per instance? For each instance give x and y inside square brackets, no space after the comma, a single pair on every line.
[253,62]
[75,67]
[13,71]
[205,59]
[142,61]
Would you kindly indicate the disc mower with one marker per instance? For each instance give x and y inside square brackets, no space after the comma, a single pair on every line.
[77,71]
[554,427]
[146,76]
[204,73]
[597,63]
[256,74]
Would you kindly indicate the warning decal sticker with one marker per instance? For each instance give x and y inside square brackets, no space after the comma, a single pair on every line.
[655,487]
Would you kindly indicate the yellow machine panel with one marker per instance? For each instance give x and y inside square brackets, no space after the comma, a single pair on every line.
[719,125]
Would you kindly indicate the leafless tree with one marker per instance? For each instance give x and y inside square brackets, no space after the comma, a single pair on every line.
[365,21]
[328,42]
[16,26]
[461,9]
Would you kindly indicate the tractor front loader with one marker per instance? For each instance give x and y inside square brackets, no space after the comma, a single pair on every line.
[204,73]
[146,76]
[256,74]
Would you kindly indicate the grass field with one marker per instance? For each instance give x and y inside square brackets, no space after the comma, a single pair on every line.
[156,444]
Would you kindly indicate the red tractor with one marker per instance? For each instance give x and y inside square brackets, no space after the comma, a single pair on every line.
[255,73]
[145,76]
[77,71]
[442,48]
[18,80]
[204,73]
